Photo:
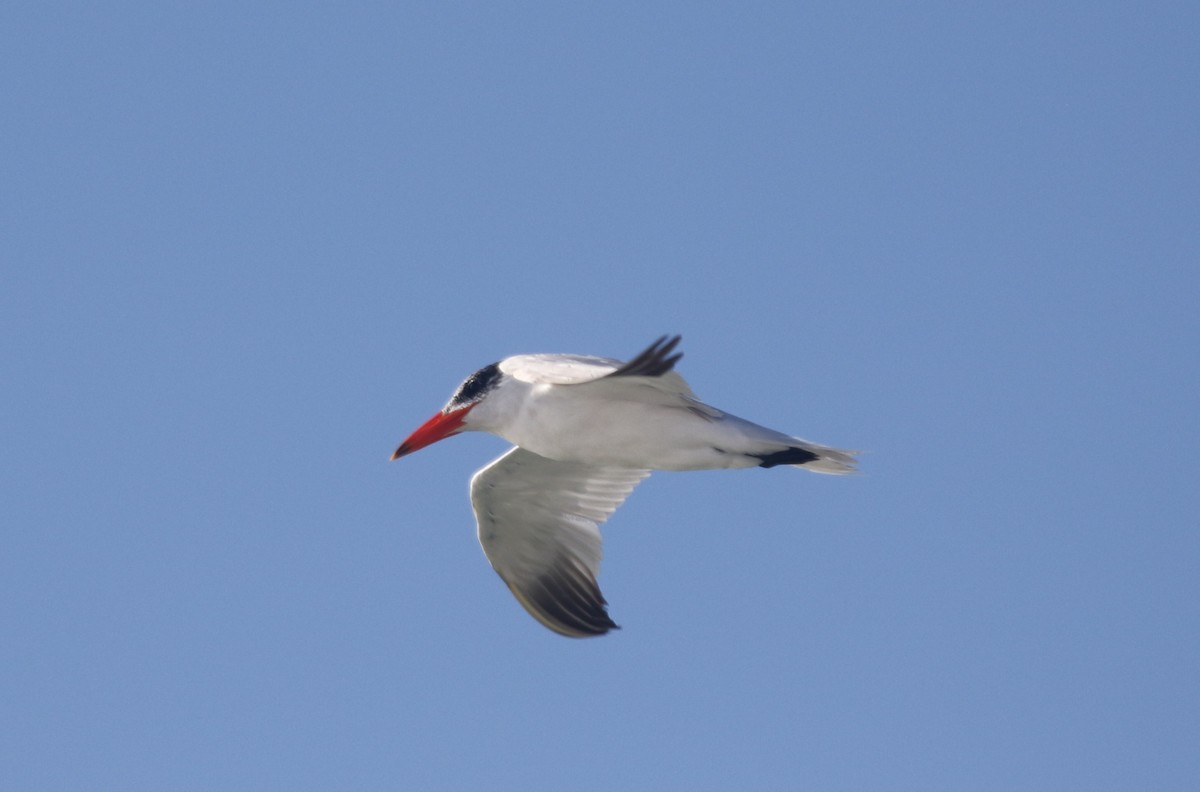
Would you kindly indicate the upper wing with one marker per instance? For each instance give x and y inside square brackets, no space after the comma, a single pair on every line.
[558,369]
[539,525]
[653,367]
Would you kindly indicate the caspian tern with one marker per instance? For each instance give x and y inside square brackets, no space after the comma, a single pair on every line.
[587,430]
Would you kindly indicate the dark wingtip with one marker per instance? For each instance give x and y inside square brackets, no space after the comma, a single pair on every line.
[567,600]
[654,361]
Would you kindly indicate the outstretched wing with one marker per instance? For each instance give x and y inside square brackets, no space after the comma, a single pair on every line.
[539,525]
[652,368]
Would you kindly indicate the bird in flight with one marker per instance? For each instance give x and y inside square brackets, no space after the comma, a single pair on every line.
[586,430]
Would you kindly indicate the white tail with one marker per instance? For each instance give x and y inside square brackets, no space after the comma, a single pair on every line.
[836,461]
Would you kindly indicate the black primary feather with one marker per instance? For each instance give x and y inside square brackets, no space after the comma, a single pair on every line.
[654,361]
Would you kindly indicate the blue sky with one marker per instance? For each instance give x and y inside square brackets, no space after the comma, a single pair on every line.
[249,247]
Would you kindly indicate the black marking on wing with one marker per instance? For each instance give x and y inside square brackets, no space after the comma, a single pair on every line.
[788,456]
[654,361]
[569,597]
[476,386]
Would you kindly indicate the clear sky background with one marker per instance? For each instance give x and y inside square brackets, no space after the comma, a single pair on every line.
[247,247]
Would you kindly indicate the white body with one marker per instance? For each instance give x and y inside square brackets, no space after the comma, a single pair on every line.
[565,407]
[586,431]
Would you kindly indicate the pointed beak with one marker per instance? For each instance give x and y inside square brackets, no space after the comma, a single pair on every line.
[436,428]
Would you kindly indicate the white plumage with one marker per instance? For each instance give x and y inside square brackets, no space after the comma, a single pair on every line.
[587,430]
